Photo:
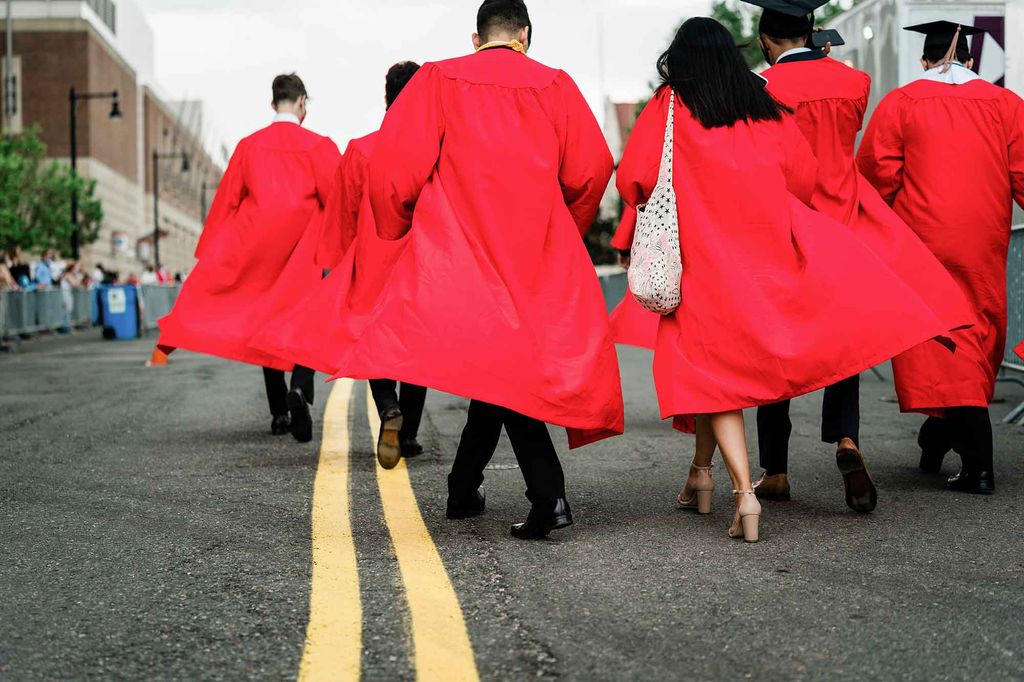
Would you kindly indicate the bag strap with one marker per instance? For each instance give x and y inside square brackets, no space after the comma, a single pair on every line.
[667,152]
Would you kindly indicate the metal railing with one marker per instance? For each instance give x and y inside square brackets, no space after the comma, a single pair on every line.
[23,313]
[30,312]
[155,302]
[1013,366]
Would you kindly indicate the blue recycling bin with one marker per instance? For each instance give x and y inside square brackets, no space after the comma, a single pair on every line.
[119,311]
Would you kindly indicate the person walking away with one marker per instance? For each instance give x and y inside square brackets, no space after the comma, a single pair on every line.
[486,171]
[947,152]
[400,411]
[765,280]
[257,254]
[830,99]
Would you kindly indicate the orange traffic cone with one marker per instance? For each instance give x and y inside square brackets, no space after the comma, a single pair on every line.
[157,359]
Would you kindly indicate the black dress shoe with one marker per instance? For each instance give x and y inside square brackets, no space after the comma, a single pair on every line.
[931,461]
[974,482]
[281,425]
[302,422]
[468,506]
[543,519]
[411,448]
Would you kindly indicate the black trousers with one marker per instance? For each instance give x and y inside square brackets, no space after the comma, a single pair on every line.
[277,390]
[965,430]
[410,402]
[531,443]
[840,418]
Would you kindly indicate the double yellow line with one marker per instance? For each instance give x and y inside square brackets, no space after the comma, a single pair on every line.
[440,644]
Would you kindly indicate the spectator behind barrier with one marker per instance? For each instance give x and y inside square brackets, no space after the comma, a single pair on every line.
[7,280]
[44,271]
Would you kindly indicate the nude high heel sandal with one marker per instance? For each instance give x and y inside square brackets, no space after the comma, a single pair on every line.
[748,514]
[696,494]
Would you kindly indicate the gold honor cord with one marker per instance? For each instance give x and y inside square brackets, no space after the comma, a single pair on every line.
[512,44]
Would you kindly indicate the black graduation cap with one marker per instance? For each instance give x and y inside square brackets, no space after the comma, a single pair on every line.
[939,35]
[787,18]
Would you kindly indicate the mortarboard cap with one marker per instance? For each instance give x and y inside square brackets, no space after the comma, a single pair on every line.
[939,35]
[787,18]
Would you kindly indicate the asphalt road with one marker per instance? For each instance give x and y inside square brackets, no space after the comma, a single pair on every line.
[151,528]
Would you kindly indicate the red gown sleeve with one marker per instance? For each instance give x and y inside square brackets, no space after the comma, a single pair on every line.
[799,165]
[230,193]
[586,162]
[880,157]
[326,160]
[638,169]
[405,153]
[341,214]
[1015,148]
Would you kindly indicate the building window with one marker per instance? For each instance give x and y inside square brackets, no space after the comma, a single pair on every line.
[106,10]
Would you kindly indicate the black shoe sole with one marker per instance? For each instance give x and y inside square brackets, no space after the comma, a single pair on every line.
[302,423]
[972,491]
[857,477]
[772,497]
[558,523]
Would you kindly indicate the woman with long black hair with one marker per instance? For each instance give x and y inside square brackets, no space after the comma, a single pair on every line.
[769,287]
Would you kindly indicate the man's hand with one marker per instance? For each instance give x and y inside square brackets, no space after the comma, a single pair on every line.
[828,46]
[624,260]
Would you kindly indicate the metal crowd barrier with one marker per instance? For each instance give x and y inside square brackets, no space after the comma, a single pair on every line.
[155,302]
[1013,366]
[24,313]
[30,312]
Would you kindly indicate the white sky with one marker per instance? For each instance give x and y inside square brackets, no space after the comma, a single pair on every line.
[225,52]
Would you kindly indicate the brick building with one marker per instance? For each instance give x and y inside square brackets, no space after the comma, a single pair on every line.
[102,46]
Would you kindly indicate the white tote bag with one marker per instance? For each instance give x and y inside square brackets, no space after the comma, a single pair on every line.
[656,264]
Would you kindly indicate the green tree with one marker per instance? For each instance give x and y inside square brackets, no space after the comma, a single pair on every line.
[35,198]
[740,18]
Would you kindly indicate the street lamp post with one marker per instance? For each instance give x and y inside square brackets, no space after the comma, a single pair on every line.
[10,81]
[185,167]
[74,98]
[203,203]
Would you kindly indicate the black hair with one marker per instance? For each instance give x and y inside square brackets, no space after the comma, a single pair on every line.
[288,88]
[934,54]
[706,69]
[398,76]
[502,15]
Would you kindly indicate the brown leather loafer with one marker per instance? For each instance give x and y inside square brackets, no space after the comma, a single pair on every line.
[861,495]
[773,487]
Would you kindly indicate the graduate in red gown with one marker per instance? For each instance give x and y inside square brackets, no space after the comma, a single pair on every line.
[829,99]
[469,274]
[400,412]
[947,152]
[258,253]
[766,279]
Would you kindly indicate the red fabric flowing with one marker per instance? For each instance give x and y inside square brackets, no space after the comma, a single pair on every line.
[341,216]
[829,99]
[950,160]
[774,293]
[468,274]
[258,251]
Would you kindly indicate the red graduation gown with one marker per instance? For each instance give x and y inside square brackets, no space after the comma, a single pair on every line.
[767,302]
[950,160]
[829,99]
[469,274]
[257,253]
[341,216]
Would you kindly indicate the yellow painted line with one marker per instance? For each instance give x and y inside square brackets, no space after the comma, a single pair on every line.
[441,646]
[334,635]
